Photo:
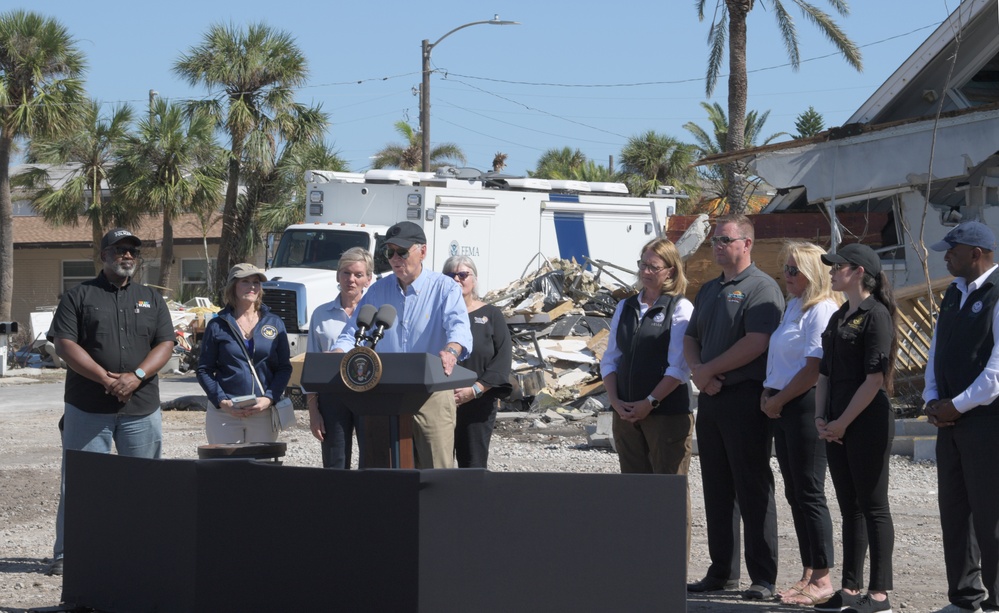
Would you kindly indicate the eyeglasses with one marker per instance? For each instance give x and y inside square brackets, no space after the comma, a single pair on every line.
[841,265]
[725,240]
[120,250]
[464,274]
[402,253]
[649,267]
[791,271]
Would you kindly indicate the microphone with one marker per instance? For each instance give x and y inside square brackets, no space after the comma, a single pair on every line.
[383,321]
[365,317]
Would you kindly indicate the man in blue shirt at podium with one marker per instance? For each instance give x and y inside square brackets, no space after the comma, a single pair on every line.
[431,318]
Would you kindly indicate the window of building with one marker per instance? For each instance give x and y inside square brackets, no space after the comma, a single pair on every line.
[75,272]
[194,278]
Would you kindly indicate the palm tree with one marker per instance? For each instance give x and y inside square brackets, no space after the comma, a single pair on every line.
[713,142]
[41,84]
[652,160]
[252,74]
[282,191]
[409,155]
[90,153]
[558,163]
[729,25]
[171,166]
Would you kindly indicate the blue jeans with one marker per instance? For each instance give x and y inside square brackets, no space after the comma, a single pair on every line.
[133,436]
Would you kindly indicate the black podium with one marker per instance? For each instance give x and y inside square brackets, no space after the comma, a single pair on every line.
[386,410]
[243,535]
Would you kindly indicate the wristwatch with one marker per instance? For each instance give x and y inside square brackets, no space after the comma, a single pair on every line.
[141,374]
[652,400]
[452,351]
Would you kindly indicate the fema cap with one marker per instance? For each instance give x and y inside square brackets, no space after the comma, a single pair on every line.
[241,271]
[857,255]
[406,234]
[971,233]
[117,235]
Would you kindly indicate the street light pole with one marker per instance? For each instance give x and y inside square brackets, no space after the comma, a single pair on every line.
[427,47]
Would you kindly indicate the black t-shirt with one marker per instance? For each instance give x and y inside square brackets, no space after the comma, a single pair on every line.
[853,347]
[491,350]
[117,327]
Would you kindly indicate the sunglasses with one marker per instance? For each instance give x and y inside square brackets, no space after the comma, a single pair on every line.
[459,275]
[122,250]
[791,271]
[725,240]
[402,253]
[841,265]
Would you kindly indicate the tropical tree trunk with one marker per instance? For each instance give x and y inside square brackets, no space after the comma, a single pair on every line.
[738,91]
[166,253]
[96,225]
[96,233]
[6,231]
[229,239]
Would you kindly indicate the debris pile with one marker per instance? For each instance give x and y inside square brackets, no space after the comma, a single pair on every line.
[559,318]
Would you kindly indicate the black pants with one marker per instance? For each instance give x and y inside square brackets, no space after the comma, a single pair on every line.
[472,431]
[802,458]
[734,441]
[337,444]
[967,478]
[859,470]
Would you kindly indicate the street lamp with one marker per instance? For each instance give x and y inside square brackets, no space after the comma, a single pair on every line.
[425,88]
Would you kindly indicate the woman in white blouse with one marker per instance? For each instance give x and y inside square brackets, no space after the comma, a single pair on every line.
[789,400]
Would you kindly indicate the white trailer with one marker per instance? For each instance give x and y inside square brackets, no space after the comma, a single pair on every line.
[508,226]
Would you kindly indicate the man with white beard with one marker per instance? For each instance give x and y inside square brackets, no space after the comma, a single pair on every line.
[115,336]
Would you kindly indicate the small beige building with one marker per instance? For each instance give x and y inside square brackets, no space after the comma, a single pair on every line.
[48,260]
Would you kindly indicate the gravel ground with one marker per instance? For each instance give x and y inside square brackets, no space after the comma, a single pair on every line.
[29,481]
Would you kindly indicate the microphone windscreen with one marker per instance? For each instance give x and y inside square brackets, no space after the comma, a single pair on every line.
[366,315]
[386,316]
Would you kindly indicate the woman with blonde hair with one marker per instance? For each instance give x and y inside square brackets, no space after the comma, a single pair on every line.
[789,400]
[330,421]
[644,370]
[245,327]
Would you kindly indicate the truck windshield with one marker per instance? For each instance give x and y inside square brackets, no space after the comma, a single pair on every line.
[307,248]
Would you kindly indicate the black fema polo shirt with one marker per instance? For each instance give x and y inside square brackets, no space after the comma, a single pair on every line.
[117,327]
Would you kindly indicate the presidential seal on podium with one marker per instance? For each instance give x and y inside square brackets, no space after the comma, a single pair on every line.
[361,369]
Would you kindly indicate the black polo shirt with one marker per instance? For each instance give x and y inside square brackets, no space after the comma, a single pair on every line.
[118,327]
[853,347]
[725,311]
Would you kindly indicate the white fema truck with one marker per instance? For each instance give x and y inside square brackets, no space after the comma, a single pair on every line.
[508,225]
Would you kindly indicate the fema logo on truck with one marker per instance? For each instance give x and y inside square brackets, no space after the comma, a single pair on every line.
[456,249]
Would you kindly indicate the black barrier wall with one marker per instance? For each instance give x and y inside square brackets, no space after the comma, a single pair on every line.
[240,535]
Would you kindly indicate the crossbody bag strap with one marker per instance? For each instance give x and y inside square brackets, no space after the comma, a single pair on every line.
[246,354]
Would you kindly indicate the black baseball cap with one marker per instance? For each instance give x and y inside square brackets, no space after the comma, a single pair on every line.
[115,236]
[857,255]
[406,234]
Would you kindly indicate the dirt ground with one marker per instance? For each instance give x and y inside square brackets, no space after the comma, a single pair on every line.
[29,482]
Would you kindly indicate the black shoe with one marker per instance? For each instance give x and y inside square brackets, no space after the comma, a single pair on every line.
[712,584]
[55,568]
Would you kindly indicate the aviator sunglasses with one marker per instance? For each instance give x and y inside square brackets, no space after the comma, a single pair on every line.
[402,253]
[791,271]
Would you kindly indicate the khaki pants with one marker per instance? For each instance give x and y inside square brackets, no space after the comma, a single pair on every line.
[433,432]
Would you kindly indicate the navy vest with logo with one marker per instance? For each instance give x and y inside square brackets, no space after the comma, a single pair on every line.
[644,345]
[964,337]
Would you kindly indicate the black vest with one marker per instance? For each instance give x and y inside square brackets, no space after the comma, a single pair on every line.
[644,345]
[964,337]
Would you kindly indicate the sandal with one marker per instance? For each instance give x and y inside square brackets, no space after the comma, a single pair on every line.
[806,597]
[794,589]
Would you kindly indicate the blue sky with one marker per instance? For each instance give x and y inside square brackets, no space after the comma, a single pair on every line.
[581,74]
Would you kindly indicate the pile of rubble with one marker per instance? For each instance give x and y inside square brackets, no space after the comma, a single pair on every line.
[559,318]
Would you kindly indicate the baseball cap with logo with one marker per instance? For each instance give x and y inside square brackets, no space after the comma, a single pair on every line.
[117,235]
[406,234]
[241,271]
[971,233]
